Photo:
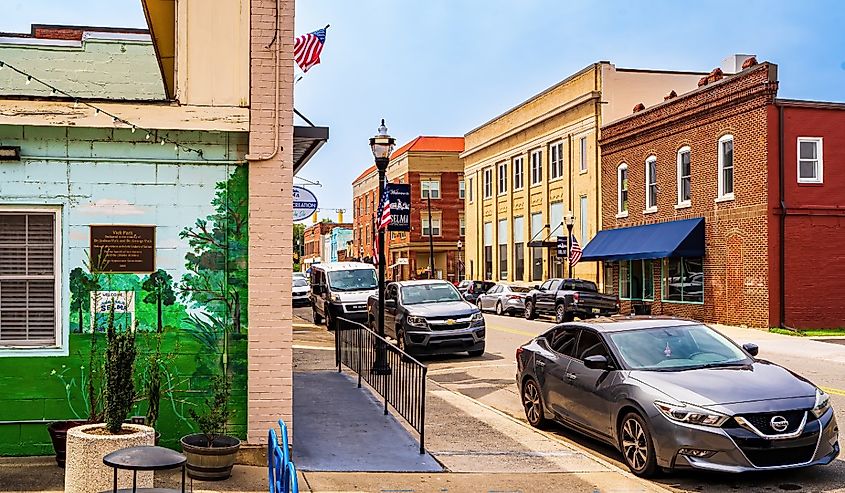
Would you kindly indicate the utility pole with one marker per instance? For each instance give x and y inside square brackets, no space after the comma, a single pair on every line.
[430,239]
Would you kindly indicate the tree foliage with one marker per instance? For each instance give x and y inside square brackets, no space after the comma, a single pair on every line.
[81,285]
[216,280]
[159,288]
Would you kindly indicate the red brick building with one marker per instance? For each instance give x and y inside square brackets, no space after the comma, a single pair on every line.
[692,205]
[312,237]
[430,165]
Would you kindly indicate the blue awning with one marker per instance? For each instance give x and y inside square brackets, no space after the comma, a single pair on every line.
[683,238]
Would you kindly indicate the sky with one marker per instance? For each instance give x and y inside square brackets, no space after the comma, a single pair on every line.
[444,67]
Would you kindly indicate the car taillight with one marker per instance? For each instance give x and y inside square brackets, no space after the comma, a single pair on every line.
[514,297]
[618,304]
[469,289]
[519,351]
[576,297]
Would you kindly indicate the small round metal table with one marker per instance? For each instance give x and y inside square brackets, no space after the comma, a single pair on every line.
[145,458]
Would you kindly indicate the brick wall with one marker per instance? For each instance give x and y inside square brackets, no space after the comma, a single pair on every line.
[270,385]
[736,264]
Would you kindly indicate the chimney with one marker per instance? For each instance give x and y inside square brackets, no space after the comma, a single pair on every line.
[736,63]
[639,107]
[702,81]
[671,95]
[714,75]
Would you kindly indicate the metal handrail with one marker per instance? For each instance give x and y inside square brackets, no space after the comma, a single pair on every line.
[403,387]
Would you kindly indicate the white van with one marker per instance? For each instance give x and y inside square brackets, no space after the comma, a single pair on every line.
[341,289]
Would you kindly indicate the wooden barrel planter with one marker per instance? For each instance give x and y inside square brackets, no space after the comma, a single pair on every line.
[210,463]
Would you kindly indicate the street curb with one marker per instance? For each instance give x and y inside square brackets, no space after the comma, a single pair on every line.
[587,453]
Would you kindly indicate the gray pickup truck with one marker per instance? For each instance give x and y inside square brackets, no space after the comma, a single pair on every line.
[569,298]
[429,317]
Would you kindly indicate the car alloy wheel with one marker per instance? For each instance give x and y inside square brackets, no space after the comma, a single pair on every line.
[479,304]
[560,313]
[532,402]
[529,310]
[637,448]
[499,308]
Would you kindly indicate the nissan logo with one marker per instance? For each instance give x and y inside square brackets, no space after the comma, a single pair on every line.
[779,423]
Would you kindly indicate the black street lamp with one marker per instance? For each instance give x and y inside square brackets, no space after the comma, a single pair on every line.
[458,264]
[381,145]
[569,220]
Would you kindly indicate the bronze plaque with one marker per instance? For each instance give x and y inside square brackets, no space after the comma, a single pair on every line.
[121,248]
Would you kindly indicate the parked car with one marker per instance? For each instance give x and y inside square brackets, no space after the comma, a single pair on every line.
[568,298]
[471,289]
[504,298]
[301,292]
[341,289]
[300,275]
[430,317]
[672,393]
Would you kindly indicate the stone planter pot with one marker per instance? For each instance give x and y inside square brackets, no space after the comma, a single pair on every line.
[84,468]
[210,463]
[58,435]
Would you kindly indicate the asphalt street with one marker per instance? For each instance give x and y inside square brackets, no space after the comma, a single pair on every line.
[489,379]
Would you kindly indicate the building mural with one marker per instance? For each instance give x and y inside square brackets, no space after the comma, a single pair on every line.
[190,312]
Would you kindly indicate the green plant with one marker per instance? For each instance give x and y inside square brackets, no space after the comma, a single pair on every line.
[159,286]
[119,369]
[212,419]
[154,382]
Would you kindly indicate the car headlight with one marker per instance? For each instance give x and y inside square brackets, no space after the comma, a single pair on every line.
[477,317]
[415,321]
[822,403]
[687,413]
[336,298]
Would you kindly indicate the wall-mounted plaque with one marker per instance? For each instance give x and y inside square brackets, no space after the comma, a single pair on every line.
[121,248]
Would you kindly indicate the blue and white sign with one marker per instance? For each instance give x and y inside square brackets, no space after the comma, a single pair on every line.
[304,203]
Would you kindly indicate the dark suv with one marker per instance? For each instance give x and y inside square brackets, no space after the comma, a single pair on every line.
[470,290]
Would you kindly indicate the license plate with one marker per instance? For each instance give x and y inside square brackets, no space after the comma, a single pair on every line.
[596,310]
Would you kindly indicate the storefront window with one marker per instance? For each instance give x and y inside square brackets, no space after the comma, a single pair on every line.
[683,280]
[608,278]
[636,280]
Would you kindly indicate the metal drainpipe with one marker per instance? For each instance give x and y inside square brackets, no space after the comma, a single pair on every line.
[598,162]
[782,232]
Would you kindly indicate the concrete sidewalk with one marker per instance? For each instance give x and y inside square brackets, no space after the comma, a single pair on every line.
[803,347]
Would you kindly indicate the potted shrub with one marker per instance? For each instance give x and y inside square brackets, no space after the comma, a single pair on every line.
[89,443]
[211,453]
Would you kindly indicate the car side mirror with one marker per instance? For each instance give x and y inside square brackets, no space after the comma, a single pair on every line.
[596,362]
[538,287]
[751,348]
[390,303]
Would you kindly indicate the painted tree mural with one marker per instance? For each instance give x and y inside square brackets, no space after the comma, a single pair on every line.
[81,285]
[159,288]
[216,281]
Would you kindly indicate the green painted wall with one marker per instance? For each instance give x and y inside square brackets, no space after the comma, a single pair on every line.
[199,208]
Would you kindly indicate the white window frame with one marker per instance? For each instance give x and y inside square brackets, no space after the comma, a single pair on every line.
[61,346]
[819,158]
[488,182]
[679,171]
[518,173]
[462,224]
[436,220]
[722,195]
[536,167]
[648,195]
[503,178]
[556,161]
[620,212]
[462,188]
[426,186]
[582,147]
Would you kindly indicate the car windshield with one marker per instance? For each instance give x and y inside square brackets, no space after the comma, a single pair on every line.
[299,282]
[676,348]
[353,280]
[429,293]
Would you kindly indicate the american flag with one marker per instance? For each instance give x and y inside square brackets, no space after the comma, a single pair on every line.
[575,252]
[383,220]
[307,49]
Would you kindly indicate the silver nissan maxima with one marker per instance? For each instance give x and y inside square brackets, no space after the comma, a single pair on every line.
[672,393]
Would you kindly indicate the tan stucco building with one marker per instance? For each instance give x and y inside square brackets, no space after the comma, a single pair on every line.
[528,167]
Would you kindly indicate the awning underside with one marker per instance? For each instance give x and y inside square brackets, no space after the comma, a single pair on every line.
[306,142]
[683,238]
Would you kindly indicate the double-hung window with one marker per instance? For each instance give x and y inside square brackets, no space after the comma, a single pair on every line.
[462,188]
[651,184]
[726,167]
[810,165]
[583,150]
[462,225]
[503,248]
[622,190]
[435,225]
[430,188]
[503,178]
[536,167]
[518,173]
[488,183]
[684,176]
[29,275]
[556,161]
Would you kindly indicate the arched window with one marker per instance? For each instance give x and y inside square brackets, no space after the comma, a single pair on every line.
[622,190]
[684,176]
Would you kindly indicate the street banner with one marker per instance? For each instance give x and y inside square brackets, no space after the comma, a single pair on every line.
[400,206]
[561,246]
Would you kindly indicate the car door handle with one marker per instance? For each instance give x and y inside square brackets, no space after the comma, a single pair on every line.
[571,376]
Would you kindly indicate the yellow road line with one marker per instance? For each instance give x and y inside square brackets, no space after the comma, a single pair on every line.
[833,391]
[511,331]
